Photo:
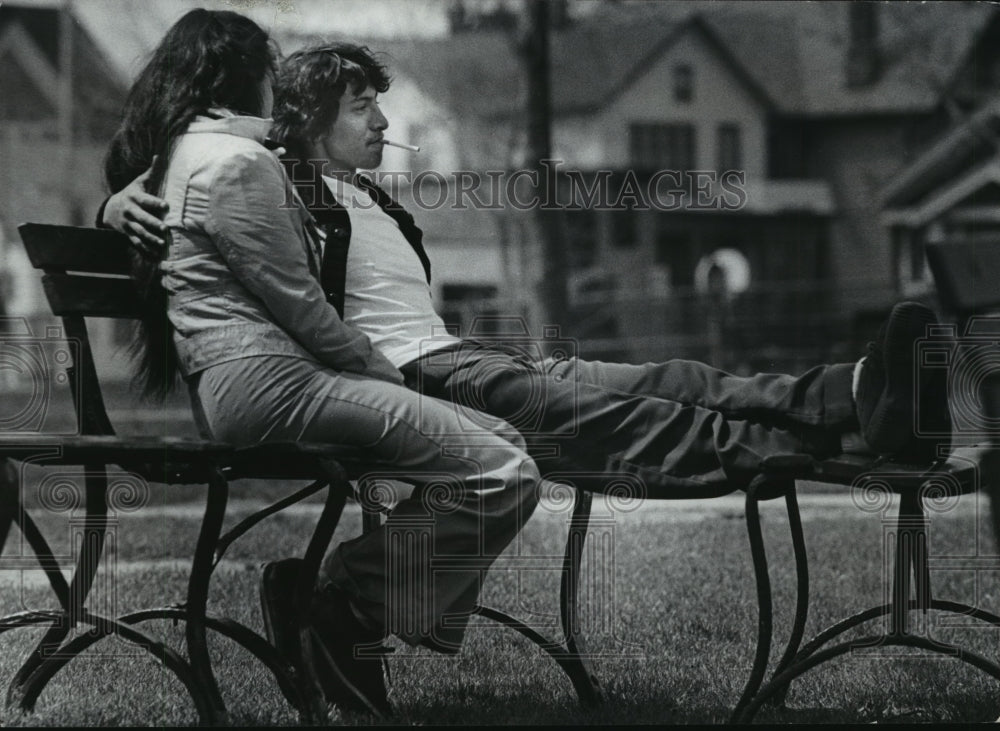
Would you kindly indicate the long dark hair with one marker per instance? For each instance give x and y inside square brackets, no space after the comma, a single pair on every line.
[208,58]
[310,85]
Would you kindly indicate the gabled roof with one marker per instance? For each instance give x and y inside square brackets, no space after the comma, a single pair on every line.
[481,72]
[792,54]
[966,148]
[797,51]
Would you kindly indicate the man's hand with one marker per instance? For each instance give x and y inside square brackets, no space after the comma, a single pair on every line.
[138,215]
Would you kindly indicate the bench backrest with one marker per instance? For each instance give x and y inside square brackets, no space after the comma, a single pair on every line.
[967,275]
[86,273]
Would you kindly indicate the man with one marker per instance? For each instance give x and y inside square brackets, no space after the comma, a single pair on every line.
[676,425]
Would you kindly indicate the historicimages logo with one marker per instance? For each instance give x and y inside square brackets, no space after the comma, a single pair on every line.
[967,367]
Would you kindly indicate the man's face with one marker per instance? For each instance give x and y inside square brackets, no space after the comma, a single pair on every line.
[355,139]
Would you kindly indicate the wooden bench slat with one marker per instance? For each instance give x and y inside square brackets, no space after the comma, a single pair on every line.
[70,248]
[70,295]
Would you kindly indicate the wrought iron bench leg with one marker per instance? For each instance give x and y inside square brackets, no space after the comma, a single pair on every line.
[197,593]
[802,587]
[765,627]
[10,499]
[91,547]
[570,654]
[11,510]
[798,669]
[764,609]
[104,627]
[910,569]
[319,542]
[584,680]
[44,671]
[52,653]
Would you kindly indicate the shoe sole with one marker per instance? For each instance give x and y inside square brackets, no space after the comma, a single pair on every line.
[271,578]
[883,431]
[366,705]
[279,581]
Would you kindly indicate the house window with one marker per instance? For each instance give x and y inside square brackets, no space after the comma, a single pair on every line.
[730,148]
[683,83]
[662,146]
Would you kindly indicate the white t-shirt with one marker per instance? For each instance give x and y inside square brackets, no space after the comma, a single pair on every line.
[387,296]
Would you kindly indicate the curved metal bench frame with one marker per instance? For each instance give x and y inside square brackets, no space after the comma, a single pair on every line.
[910,576]
[105,290]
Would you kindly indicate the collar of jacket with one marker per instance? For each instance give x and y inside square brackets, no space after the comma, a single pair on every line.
[333,217]
[226,122]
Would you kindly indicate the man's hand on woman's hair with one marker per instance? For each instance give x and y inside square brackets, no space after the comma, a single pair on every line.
[138,215]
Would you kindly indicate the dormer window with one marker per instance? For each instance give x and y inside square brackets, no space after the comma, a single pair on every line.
[683,83]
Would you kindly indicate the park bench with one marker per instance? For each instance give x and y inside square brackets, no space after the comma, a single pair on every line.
[86,273]
[966,274]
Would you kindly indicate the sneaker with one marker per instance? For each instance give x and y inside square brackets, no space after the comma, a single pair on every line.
[886,397]
[277,594]
[355,650]
[351,687]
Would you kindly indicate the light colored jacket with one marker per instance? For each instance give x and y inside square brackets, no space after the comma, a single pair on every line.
[243,264]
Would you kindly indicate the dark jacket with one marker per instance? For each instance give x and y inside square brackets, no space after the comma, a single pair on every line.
[335,221]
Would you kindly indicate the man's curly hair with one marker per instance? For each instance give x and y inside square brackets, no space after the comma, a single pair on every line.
[310,85]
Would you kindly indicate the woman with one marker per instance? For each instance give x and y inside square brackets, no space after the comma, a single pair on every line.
[236,308]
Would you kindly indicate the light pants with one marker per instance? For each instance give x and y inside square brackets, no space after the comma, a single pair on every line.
[475,484]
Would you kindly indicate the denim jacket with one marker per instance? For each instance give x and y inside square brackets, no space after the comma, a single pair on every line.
[242,272]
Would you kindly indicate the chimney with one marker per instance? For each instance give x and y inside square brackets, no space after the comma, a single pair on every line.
[559,17]
[864,64]
[457,17]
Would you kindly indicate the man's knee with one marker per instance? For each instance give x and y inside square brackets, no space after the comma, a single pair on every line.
[520,477]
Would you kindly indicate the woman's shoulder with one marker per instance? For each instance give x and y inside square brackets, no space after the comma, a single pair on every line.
[216,153]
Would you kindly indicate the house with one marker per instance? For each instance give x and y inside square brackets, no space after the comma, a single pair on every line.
[816,107]
[783,121]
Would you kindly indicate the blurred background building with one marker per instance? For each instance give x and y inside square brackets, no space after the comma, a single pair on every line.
[858,131]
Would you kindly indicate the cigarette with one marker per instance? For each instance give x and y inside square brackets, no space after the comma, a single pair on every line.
[411,148]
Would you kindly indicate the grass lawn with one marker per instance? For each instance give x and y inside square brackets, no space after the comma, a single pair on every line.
[669,608]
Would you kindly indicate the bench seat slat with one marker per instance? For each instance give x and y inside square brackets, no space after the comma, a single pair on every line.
[70,248]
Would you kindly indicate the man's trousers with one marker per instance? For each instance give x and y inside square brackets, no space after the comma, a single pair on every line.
[678,424]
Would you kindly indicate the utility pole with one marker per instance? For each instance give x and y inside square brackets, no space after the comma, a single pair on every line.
[551,290]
